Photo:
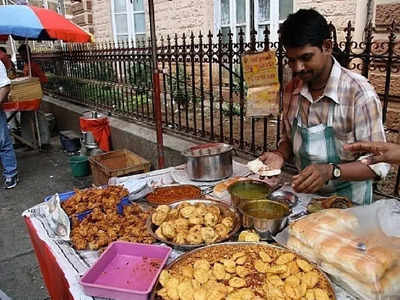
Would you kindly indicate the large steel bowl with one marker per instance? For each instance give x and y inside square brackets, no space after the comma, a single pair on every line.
[265,216]
[209,162]
[245,190]
[235,247]
[226,211]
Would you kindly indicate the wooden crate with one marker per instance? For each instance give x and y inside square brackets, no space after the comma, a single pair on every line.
[116,163]
[25,88]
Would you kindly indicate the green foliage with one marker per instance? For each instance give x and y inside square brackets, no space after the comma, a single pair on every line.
[140,76]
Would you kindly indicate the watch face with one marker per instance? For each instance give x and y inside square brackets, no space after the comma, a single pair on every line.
[336,172]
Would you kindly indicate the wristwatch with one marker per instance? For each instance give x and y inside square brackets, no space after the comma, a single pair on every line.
[336,172]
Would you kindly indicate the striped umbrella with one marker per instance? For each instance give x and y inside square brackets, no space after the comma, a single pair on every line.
[28,22]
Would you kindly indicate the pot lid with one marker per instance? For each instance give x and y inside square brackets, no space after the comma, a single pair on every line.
[92,115]
[209,149]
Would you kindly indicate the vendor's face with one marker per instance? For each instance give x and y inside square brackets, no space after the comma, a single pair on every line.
[310,62]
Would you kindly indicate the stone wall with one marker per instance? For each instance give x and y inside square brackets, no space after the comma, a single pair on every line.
[182,17]
[385,14]
[102,23]
[339,12]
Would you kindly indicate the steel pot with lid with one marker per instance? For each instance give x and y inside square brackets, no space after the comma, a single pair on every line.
[92,115]
[209,162]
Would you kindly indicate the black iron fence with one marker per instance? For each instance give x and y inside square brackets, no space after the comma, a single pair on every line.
[203,93]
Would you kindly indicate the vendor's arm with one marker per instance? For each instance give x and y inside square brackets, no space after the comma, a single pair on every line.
[275,159]
[313,177]
[368,126]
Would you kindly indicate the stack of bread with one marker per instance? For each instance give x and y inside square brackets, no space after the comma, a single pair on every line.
[365,262]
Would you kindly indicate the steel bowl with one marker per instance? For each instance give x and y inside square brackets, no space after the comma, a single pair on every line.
[209,162]
[265,216]
[226,211]
[245,190]
[284,197]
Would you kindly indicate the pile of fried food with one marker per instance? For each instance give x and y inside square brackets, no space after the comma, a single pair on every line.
[365,260]
[104,225]
[193,223]
[106,199]
[250,272]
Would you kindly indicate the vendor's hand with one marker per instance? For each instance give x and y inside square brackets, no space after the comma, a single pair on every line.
[272,160]
[383,152]
[312,178]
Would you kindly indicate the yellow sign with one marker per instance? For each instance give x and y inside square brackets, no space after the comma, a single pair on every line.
[261,76]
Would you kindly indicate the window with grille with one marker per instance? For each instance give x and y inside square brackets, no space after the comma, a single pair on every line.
[128,21]
[233,15]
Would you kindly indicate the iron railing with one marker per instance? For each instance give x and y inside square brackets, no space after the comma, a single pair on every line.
[202,88]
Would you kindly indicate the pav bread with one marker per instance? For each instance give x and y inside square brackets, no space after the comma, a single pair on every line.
[312,230]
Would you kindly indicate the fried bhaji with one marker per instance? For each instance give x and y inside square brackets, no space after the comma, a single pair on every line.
[99,229]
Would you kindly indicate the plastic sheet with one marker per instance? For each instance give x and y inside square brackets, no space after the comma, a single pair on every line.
[359,247]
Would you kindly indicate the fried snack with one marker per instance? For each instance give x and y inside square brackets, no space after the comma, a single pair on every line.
[103,198]
[248,236]
[194,224]
[213,274]
[100,228]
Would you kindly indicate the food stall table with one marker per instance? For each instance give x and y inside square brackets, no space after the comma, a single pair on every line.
[62,266]
[25,97]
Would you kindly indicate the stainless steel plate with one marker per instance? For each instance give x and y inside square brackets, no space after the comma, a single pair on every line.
[225,210]
[194,253]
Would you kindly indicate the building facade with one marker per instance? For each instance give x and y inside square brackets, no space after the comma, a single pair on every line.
[127,19]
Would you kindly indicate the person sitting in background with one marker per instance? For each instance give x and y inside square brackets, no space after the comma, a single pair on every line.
[8,64]
[36,71]
[383,152]
[7,153]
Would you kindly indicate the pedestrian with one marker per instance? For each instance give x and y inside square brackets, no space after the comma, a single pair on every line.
[8,64]
[324,107]
[7,153]
[35,69]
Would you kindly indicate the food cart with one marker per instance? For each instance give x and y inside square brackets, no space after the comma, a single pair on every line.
[23,22]
[65,264]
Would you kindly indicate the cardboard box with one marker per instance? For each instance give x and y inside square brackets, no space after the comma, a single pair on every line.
[25,89]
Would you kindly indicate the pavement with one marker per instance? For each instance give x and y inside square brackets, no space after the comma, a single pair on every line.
[41,174]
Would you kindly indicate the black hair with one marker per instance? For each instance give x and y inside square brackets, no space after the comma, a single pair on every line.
[3,49]
[306,26]
[24,48]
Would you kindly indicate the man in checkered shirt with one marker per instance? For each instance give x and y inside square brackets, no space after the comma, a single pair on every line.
[324,107]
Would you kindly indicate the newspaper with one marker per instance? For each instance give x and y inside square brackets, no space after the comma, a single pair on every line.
[56,218]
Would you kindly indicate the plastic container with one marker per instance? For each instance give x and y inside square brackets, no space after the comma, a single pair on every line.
[125,271]
[70,141]
[79,165]
[116,163]
[65,196]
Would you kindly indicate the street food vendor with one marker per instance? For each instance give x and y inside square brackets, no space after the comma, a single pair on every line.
[324,107]
[36,71]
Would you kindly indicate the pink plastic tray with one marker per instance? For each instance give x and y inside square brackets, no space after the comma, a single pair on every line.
[125,271]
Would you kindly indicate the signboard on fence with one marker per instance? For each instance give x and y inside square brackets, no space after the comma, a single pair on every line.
[261,76]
